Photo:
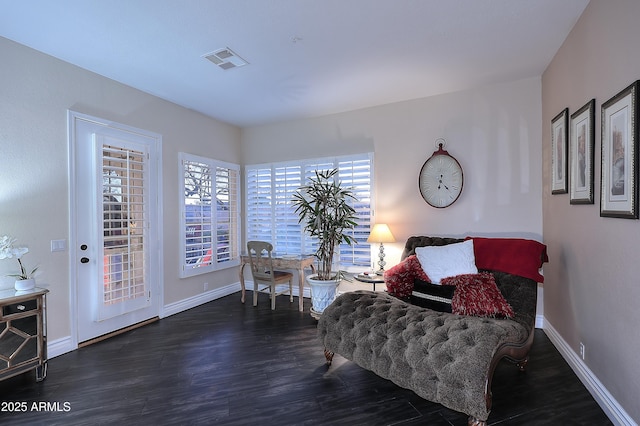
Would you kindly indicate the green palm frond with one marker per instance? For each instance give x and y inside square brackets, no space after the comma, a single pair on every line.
[323,206]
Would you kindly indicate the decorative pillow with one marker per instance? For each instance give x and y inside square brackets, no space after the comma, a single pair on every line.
[399,279]
[440,262]
[478,295]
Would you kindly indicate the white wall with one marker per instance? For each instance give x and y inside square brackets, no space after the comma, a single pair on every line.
[591,290]
[494,132]
[36,91]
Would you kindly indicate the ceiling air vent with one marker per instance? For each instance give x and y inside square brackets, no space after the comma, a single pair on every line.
[225,59]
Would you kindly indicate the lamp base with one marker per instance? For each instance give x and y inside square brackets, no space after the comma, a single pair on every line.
[381,262]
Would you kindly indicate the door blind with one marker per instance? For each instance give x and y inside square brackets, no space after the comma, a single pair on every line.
[124,224]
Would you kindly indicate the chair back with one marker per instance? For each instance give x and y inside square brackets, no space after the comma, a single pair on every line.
[260,260]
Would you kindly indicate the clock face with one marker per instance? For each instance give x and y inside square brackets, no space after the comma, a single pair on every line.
[441,180]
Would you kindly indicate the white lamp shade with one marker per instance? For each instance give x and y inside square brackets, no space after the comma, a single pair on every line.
[380,233]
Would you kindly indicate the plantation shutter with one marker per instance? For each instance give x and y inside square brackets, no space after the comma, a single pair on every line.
[271,215]
[356,174]
[259,190]
[209,214]
[288,238]
[125,227]
[227,214]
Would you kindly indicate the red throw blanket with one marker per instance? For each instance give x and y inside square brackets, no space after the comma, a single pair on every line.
[512,255]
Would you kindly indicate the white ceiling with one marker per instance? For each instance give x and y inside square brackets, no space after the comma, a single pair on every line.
[306,57]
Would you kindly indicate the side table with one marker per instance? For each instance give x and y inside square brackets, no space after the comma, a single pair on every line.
[370,278]
[23,333]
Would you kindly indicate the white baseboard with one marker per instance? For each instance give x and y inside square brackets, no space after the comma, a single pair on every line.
[539,321]
[199,299]
[59,347]
[602,396]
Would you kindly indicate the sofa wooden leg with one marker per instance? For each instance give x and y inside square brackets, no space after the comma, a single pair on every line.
[329,356]
[476,422]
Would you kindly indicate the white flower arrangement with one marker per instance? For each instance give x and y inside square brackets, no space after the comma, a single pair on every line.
[8,251]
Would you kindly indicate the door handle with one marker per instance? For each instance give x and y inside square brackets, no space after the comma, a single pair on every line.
[84,260]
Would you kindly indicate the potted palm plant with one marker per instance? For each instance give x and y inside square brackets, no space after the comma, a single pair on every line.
[323,206]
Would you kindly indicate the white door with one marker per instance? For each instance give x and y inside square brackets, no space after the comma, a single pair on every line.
[114,243]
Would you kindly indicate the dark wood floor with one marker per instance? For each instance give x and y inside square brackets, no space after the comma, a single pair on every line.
[232,364]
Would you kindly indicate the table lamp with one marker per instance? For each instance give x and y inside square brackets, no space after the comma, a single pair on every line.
[380,233]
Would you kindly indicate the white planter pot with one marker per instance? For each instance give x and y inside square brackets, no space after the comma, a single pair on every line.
[24,285]
[323,292]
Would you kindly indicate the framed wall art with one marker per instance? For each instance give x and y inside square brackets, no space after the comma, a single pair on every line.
[581,154]
[559,142]
[619,187]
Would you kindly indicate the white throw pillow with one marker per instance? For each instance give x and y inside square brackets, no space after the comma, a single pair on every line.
[440,262]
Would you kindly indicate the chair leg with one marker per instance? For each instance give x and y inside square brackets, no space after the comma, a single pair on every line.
[255,293]
[273,297]
[291,291]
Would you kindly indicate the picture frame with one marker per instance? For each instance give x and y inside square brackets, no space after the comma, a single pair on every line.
[581,154]
[619,172]
[559,143]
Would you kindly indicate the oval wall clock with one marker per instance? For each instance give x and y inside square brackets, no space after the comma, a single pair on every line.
[441,179]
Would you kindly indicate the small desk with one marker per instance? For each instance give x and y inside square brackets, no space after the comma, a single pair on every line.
[284,262]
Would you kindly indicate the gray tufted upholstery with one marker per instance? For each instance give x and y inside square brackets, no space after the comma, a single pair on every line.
[442,357]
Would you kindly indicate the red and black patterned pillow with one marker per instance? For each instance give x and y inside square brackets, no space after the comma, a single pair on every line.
[478,295]
[400,278]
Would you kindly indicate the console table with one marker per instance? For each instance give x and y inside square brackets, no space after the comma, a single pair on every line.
[23,333]
[298,262]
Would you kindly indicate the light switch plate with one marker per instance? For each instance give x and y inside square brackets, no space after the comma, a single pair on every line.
[58,245]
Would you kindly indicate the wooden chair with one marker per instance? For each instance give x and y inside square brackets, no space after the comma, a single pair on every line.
[262,271]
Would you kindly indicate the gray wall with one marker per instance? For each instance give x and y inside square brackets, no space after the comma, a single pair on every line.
[591,291]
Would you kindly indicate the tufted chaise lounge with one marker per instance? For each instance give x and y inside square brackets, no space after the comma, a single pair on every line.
[443,357]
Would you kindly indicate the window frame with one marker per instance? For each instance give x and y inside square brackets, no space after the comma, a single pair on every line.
[188,269]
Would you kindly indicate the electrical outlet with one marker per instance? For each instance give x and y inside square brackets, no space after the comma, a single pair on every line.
[206,286]
[582,350]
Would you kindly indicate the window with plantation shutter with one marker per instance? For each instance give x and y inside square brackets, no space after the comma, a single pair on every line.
[271,216]
[209,215]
